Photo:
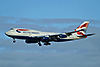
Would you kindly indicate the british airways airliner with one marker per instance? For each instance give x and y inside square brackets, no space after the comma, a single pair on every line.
[34,36]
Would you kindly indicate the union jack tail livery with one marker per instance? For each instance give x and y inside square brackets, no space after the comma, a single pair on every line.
[82,27]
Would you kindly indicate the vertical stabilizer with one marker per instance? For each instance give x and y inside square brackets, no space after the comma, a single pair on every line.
[83,27]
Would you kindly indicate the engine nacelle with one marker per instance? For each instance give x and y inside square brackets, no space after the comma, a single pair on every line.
[46,38]
[31,41]
[62,36]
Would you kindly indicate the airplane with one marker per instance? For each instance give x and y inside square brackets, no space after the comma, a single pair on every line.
[34,36]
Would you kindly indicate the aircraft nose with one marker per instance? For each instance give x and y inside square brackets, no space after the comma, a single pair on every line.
[6,33]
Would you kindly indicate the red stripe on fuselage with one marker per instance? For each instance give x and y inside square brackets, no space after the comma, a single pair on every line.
[22,29]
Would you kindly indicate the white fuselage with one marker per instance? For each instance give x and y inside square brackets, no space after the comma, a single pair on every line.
[34,33]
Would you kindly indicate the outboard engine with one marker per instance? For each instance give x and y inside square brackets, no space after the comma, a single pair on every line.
[62,36]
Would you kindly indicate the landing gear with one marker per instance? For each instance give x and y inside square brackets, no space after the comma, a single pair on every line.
[47,43]
[39,44]
[14,40]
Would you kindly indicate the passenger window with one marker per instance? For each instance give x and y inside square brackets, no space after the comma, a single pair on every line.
[35,33]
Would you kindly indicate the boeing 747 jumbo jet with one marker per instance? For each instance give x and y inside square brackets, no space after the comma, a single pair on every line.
[34,36]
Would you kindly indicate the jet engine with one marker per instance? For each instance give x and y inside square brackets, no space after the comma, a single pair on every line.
[46,38]
[31,41]
[62,36]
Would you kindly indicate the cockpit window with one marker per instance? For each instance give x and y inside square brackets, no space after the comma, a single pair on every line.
[12,29]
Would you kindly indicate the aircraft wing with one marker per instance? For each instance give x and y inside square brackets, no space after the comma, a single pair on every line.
[56,35]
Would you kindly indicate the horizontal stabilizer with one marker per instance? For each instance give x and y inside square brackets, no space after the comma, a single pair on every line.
[69,33]
[86,35]
[77,31]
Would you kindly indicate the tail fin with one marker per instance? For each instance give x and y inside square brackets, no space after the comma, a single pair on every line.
[82,27]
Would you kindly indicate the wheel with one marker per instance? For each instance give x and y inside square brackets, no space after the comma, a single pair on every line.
[14,41]
[39,44]
[47,43]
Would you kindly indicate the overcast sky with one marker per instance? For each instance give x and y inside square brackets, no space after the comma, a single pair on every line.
[52,16]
